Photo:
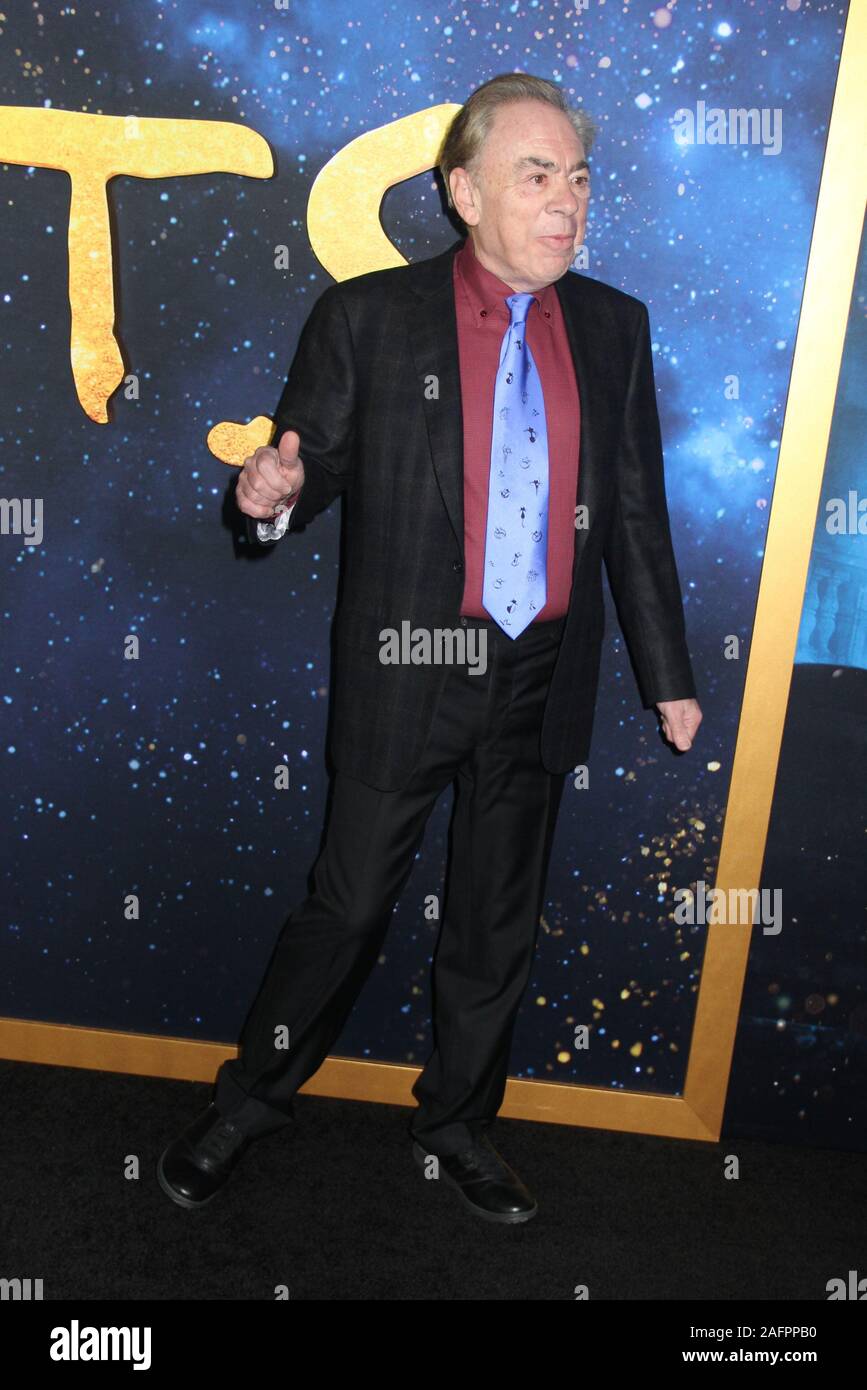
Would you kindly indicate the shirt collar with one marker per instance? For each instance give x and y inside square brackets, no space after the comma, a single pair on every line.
[487,292]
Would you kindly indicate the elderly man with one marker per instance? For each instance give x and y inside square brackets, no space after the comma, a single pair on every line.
[492,423]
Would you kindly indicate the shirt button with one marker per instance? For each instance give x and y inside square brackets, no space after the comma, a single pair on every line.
[483,313]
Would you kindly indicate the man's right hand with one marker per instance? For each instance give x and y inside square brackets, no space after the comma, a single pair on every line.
[270,476]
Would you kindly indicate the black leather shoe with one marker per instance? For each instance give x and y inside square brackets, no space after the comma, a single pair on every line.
[195,1166]
[484,1181]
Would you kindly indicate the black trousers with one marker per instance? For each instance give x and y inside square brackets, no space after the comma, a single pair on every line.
[485,734]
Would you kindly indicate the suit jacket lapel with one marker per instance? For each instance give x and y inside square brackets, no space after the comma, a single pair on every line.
[592,395]
[433,331]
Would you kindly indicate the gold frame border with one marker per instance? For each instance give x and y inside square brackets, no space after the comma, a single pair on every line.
[828,287]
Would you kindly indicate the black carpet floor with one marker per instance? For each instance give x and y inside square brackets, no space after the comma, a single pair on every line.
[334,1207]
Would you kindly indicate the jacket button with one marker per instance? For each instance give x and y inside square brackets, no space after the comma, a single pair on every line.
[457,566]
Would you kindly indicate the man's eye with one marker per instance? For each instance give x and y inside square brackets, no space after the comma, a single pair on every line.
[580,179]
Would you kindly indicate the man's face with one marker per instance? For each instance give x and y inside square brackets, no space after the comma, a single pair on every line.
[525,208]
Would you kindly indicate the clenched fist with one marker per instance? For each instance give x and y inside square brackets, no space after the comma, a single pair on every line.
[270,476]
[680,720]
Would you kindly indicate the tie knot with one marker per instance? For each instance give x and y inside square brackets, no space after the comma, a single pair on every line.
[519,306]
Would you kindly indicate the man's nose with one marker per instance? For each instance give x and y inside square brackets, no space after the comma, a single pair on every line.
[565,198]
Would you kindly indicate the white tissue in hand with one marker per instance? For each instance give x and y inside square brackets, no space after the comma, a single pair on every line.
[273,530]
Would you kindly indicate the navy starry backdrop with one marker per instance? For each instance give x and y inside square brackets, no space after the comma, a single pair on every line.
[155,777]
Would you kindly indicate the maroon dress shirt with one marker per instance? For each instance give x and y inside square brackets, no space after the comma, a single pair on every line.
[483,319]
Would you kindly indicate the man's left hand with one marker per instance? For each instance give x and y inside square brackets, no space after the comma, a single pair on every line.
[680,721]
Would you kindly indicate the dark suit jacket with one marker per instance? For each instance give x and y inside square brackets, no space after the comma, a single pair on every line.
[358,393]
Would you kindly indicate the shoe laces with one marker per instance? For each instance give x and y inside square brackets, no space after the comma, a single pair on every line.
[485,1160]
[221,1140]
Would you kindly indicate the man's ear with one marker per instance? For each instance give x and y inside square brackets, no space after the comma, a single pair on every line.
[464,196]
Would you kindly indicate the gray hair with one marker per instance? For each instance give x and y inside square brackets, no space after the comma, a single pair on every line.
[462,145]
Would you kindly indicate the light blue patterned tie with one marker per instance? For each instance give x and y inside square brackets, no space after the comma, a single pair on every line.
[516,535]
